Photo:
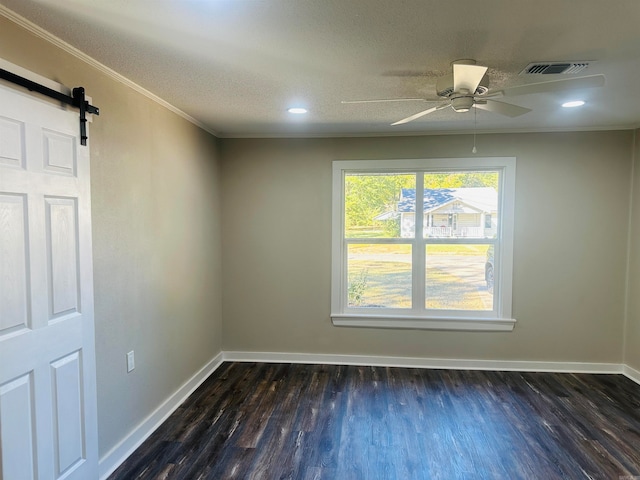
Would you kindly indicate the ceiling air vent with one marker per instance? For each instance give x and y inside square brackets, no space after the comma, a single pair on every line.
[548,68]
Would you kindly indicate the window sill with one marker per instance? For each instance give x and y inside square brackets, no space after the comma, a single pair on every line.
[423,323]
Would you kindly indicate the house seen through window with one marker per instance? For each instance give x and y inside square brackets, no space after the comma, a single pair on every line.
[423,243]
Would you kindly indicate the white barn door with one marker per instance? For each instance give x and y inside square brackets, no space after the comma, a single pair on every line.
[48,418]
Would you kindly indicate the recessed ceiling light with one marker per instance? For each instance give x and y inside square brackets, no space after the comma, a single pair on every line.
[297,110]
[574,103]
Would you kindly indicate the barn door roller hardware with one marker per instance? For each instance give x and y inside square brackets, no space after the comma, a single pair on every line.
[77,99]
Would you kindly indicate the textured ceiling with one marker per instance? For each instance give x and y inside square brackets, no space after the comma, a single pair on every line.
[236,65]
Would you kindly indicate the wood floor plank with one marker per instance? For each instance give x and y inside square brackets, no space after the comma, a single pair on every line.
[280,421]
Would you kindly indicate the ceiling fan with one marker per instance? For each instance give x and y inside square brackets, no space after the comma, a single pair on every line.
[468,87]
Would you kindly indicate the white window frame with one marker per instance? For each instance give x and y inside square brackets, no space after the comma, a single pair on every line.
[499,319]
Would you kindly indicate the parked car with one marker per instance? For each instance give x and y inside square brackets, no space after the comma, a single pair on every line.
[488,269]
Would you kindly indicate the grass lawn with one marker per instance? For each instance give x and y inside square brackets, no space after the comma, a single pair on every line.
[450,292]
[380,276]
[405,249]
[383,283]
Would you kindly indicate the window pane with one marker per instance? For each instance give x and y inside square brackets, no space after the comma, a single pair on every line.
[459,277]
[379,276]
[461,204]
[373,206]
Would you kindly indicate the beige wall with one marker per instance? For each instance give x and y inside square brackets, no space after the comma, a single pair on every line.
[156,238]
[572,206]
[632,337]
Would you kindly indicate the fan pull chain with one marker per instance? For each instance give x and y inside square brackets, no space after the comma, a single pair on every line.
[475,122]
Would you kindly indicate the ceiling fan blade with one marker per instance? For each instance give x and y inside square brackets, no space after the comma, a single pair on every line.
[591,81]
[381,100]
[467,77]
[420,114]
[502,108]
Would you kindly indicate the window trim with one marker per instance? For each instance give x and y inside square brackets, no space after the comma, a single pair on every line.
[500,319]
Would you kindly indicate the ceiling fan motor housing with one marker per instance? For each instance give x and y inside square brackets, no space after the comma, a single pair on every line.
[444,86]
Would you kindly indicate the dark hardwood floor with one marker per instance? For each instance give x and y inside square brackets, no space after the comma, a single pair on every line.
[281,421]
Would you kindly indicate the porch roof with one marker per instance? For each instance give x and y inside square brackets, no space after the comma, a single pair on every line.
[479,199]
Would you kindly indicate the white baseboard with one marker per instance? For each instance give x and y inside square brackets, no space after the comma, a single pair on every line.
[445,363]
[631,373]
[114,458]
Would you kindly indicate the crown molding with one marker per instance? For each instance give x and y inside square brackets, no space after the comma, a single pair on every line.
[92,62]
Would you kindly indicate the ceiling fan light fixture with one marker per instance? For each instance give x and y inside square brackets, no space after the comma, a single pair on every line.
[573,104]
[462,104]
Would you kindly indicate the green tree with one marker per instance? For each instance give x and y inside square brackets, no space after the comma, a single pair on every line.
[367,196]
[461,179]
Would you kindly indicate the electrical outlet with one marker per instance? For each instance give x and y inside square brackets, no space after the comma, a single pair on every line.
[131,361]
